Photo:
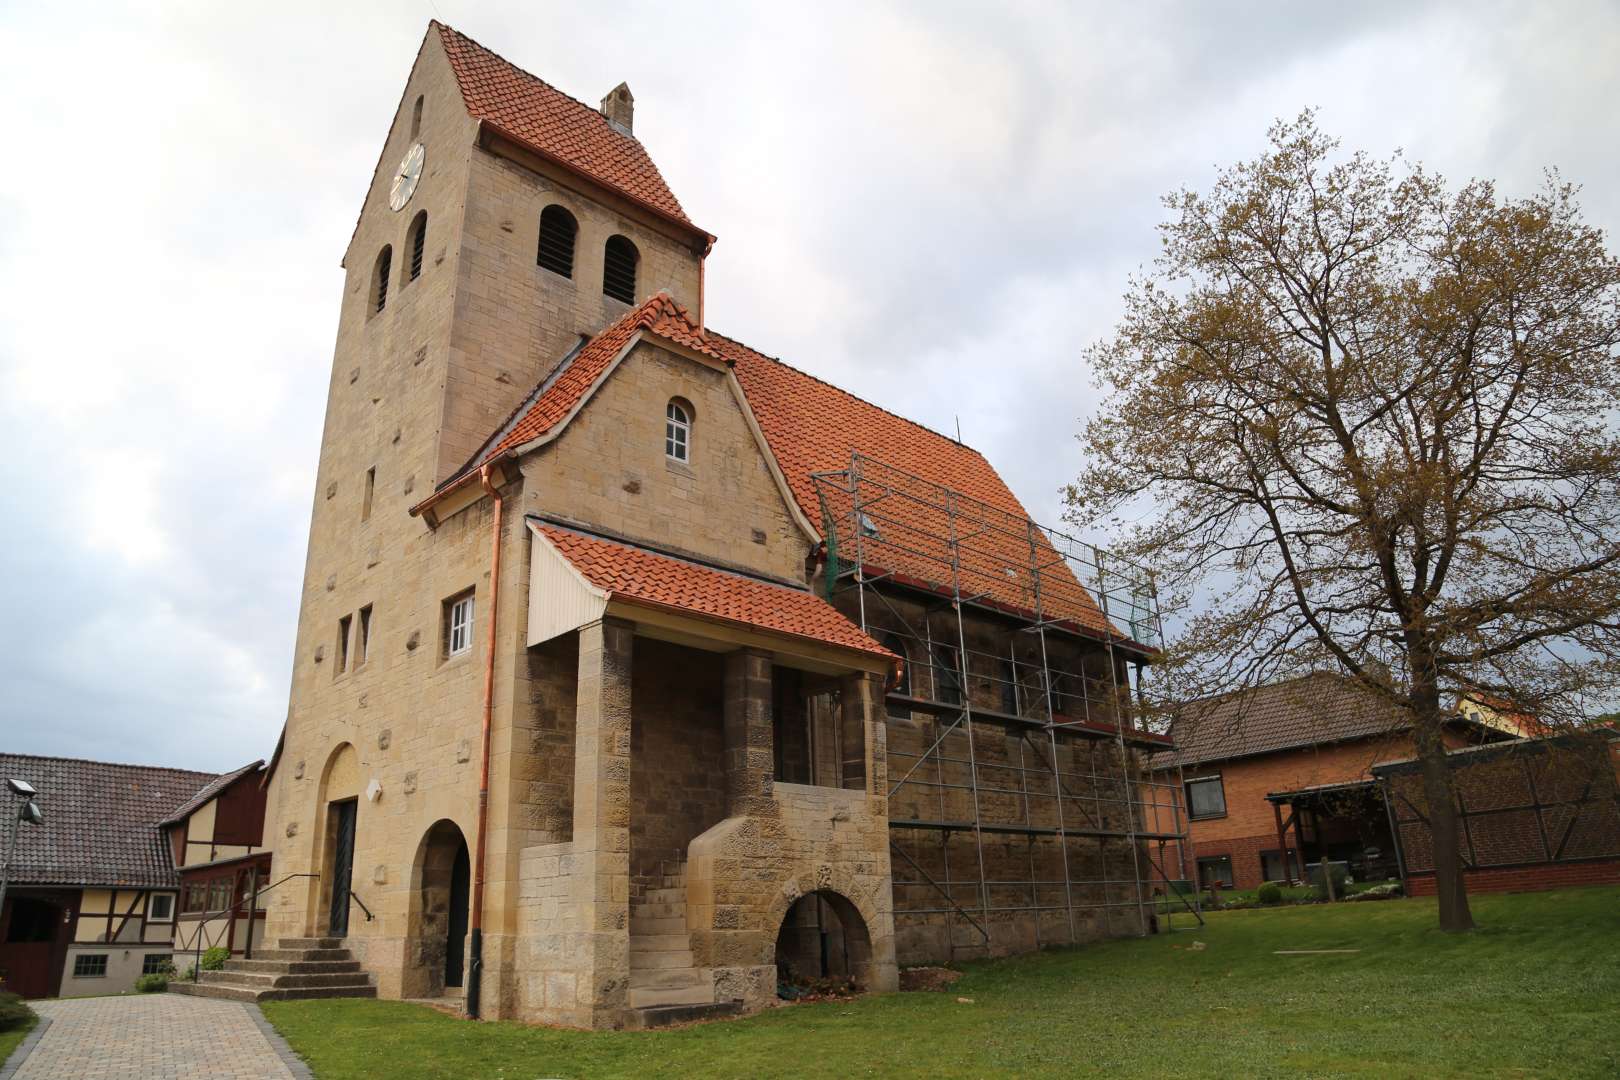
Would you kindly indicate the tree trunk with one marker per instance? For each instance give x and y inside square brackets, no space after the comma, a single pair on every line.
[1443,824]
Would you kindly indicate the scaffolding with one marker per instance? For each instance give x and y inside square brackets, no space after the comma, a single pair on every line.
[1014,736]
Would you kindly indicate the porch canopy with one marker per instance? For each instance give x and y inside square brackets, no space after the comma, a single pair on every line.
[579,577]
[1319,805]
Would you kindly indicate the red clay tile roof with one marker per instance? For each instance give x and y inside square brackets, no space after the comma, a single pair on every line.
[101,821]
[813,426]
[645,577]
[548,120]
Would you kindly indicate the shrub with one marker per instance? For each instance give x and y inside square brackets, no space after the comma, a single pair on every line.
[155,983]
[214,959]
[1269,893]
[1341,878]
[14,1012]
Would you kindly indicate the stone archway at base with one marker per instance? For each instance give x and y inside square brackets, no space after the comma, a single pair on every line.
[822,934]
[436,931]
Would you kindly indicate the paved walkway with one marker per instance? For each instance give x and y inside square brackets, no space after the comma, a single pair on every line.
[150,1036]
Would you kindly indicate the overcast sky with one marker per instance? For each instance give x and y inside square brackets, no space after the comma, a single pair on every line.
[932,206]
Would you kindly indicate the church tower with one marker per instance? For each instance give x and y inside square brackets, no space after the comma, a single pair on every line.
[505,222]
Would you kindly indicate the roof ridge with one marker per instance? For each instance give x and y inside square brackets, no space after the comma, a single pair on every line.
[113,764]
[445,27]
[847,393]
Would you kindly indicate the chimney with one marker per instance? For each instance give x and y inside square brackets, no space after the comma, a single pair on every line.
[620,108]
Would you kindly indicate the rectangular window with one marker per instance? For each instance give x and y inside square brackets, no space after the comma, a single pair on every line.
[196,897]
[1206,797]
[343,645]
[219,894]
[371,487]
[458,624]
[1216,869]
[160,907]
[90,966]
[947,677]
[362,647]
[154,963]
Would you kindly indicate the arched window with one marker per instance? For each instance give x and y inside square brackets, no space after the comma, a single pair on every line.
[379,278]
[416,118]
[418,244]
[678,432]
[619,261]
[896,645]
[557,231]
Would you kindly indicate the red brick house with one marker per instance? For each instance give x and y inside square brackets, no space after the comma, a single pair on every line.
[1290,760]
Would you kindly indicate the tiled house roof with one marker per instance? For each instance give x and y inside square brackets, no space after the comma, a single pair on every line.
[214,787]
[812,426]
[548,120]
[101,821]
[645,577]
[1308,711]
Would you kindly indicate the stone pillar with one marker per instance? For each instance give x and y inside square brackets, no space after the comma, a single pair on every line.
[600,856]
[862,733]
[750,758]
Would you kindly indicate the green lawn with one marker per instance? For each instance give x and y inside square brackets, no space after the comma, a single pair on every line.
[10,1040]
[1535,993]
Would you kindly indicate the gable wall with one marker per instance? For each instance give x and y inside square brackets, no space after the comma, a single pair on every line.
[608,469]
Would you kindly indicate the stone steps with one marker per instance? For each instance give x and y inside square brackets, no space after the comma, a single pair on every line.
[657,960]
[297,968]
[653,997]
[665,987]
[293,967]
[656,1016]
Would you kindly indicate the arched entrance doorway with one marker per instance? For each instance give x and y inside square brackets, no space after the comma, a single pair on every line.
[340,802]
[823,937]
[440,902]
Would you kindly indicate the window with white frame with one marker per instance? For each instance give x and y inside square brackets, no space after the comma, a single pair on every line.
[458,624]
[677,433]
[90,966]
[160,907]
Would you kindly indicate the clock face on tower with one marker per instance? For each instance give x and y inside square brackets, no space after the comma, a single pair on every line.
[406,176]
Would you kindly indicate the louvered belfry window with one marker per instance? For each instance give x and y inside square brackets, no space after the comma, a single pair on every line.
[385,265]
[619,269]
[557,231]
[418,244]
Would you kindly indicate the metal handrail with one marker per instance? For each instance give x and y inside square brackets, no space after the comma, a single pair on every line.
[252,899]
[356,898]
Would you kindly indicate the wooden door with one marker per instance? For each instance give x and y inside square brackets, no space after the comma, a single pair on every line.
[342,866]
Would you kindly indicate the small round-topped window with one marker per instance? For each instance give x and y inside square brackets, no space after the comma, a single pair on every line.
[678,432]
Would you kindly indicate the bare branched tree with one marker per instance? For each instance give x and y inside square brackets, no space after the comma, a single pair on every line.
[1357,420]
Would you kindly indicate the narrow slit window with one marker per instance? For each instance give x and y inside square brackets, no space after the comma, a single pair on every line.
[458,625]
[371,489]
[343,644]
[557,232]
[619,261]
[362,647]
[418,244]
[416,118]
[379,280]
[677,433]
